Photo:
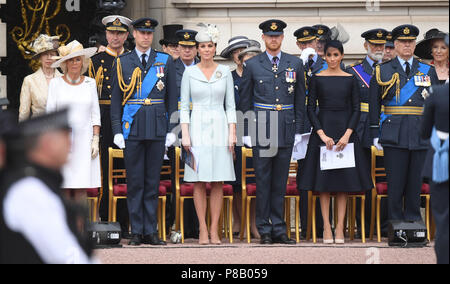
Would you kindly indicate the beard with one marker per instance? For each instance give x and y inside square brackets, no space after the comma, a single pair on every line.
[377,55]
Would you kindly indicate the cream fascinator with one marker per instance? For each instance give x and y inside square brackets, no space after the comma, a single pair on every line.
[208,33]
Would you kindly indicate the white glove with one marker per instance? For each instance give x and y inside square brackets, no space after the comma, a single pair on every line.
[170,139]
[306,54]
[95,146]
[298,139]
[119,140]
[247,140]
[376,143]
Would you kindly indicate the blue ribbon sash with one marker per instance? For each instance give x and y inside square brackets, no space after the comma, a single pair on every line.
[130,110]
[366,78]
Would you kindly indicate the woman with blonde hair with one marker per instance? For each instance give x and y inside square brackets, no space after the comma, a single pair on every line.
[79,94]
[33,97]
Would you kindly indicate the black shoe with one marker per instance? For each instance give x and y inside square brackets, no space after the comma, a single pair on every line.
[283,239]
[154,240]
[266,239]
[126,235]
[136,240]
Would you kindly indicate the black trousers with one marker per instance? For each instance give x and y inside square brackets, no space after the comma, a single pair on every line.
[107,141]
[271,181]
[439,205]
[191,225]
[404,177]
[143,160]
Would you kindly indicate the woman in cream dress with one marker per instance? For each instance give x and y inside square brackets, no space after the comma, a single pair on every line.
[79,94]
[210,130]
[33,97]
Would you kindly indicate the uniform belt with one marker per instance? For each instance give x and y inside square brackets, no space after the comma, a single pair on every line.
[146,102]
[274,107]
[403,110]
[105,102]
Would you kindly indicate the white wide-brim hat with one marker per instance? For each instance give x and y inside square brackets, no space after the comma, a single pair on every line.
[72,50]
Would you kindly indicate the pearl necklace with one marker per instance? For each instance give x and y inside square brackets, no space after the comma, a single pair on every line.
[74,82]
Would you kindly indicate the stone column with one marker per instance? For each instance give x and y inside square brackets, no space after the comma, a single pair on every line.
[2,54]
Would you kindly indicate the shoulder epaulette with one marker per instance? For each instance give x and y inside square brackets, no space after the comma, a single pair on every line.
[359,62]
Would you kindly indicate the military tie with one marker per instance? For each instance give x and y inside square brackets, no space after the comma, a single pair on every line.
[275,61]
[144,62]
[408,69]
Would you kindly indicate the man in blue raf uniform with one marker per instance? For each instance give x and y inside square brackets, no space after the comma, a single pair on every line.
[144,96]
[273,87]
[101,69]
[188,57]
[363,70]
[398,91]
[323,35]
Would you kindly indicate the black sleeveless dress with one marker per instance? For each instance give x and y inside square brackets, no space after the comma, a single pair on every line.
[339,109]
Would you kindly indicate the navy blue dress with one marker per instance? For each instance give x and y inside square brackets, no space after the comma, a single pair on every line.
[339,110]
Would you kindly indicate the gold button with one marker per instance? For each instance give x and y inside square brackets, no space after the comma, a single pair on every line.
[103,61]
[109,87]
[277,100]
[105,69]
[107,78]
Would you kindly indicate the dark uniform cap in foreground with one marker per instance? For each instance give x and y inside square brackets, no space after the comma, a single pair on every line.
[273,27]
[405,32]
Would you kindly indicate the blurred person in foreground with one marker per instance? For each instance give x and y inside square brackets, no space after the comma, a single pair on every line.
[36,224]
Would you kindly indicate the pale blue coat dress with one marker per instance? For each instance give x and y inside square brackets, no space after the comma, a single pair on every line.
[213,109]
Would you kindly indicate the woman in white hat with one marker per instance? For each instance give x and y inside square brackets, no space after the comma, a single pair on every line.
[33,97]
[79,94]
[209,131]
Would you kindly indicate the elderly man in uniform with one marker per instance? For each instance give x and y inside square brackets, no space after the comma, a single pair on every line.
[101,69]
[363,70]
[36,224]
[398,91]
[273,87]
[144,96]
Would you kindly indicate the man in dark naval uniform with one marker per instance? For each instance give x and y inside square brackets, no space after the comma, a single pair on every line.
[36,224]
[101,69]
[144,97]
[188,57]
[398,91]
[363,70]
[273,87]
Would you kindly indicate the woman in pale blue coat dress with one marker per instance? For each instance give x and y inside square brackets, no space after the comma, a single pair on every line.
[209,130]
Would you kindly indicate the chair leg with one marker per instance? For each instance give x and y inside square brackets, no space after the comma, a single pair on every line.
[164,202]
[379,219]
[159,218]
[243,214]
[225,217]
[110,202]
[313,207]
[297,219]
[372,215]
[182,219]
[249,200]
[288,216]
[95,210]
[363,219]
[230,218]
[427,216]
[114,210]
[352,217]
[309,217]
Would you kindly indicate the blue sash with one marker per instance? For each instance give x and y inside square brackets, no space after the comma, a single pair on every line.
[440,159]
[366,78]
[130,110]
[324,67]
[408,90]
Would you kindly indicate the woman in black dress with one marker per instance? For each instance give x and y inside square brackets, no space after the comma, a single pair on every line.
[338,98]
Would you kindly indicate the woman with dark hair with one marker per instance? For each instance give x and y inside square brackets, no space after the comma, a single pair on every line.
[337,94]
[433,48]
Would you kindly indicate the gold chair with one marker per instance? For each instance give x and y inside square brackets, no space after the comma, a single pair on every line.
[119,191]
[248,193]
[186,191]
[94,197]
[381,191]
[292,193]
